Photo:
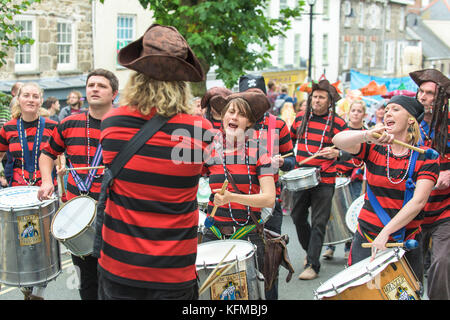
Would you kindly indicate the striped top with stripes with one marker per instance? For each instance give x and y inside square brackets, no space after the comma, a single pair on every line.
[151,216]
[389,195]
[316,126]
[9,140]
[71,137]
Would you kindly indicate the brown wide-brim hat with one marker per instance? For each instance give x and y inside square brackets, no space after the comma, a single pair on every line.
[432,75]
[162,54]
[214,91]
[328,87]
[256,99]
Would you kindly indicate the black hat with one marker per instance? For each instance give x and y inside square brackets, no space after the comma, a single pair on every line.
[249,81]
[414,107]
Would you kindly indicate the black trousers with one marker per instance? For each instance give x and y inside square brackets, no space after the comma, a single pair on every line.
[311,236]
[111,290]
[87,274]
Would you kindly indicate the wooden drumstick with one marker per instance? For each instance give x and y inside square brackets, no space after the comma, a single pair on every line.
[85,168]
[209,221]
[312,157]
[408,244]
[429,153]
[287,154]
[216,278]
[60,178]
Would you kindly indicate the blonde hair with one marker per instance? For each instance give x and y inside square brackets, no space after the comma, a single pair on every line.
[168,97]
[16,111]
[361,102]
[413,135]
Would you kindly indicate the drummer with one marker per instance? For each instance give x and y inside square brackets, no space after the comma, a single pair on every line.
[387,176]
[311,133]
[24,136]
[78,136]
[350,167]
[235,156]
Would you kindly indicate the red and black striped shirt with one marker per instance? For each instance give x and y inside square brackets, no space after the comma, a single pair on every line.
[259,165]
[151,216]
[314,131]
[389,195]
[9,140]
[71,137]
[348,167]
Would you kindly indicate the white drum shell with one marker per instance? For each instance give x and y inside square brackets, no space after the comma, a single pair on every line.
[301,179]
[33,260]
[73,225]
[209,254]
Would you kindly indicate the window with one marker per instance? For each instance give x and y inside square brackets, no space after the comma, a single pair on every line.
[346,56]
[25,54]
[388,18]
[373,54]
[325,49]
[65,45]
[389,57]
[360,56]
[326,9]
[297,57]
[125,30]
[401,19]
[280,51]
[361,15]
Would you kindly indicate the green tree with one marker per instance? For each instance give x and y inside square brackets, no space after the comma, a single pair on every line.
[233,35]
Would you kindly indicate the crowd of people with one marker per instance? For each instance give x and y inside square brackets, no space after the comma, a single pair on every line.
[148,230]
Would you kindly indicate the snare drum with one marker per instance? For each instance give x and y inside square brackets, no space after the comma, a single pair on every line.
[387,277]
[301,179]
[73,225]
[203,193]
[29,255]
[351,217]
[241,282]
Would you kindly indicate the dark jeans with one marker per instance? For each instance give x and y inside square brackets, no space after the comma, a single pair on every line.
[414,257]
[87,273]
[311,236]
[111,290]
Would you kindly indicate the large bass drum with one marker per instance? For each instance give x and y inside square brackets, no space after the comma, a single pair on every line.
[337,230]
[29,254]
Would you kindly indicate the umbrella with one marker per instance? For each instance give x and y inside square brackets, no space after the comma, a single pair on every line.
[397,92]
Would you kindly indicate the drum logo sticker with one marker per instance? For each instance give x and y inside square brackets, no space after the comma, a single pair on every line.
[29,230]
[399,289]
[230,287]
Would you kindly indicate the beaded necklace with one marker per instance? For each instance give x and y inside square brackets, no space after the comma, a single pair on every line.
[388,170]
[227,177]
[35,146]
[322,138]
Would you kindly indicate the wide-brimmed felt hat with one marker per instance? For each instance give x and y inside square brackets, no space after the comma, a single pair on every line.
[433,75]
[328,87]
[256,99]
[412,105]
[162,54]
[250,81]
[214,91]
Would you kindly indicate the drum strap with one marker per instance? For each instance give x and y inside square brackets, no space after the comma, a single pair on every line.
[85,186]
[409,192]
[123,156]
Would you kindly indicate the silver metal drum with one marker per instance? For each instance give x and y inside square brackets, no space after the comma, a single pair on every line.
[241,281]
[301,179]
[337,230]
[203,193]
[29,255]
[73,225]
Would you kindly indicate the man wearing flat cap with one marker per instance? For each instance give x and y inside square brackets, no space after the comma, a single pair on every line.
[312,132]
[434,93]
[149,229]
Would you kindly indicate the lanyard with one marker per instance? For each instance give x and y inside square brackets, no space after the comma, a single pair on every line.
[30,159]
[85,186]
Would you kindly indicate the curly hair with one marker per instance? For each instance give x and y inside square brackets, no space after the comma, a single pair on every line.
[168,97]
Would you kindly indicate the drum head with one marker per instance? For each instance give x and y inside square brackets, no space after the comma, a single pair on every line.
[351,217]
[204,191]
[209,254]
[21,197]
[73,217]
[298,173]
[359,273]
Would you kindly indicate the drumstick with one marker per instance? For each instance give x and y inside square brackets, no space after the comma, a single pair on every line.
[287,154]
[61,182]
[85,168]
[312,157]
[217,267]
[224,270]
[408,244]
[209,221]
[429,153]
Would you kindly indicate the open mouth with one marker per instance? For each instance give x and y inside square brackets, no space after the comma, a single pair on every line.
[389,124]
[232,126]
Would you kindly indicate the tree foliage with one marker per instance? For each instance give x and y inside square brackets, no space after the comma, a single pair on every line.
[233,35]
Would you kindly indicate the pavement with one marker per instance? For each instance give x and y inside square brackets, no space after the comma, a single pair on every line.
[65,286]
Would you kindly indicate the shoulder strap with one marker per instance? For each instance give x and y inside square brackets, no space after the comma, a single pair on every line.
[139,139]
